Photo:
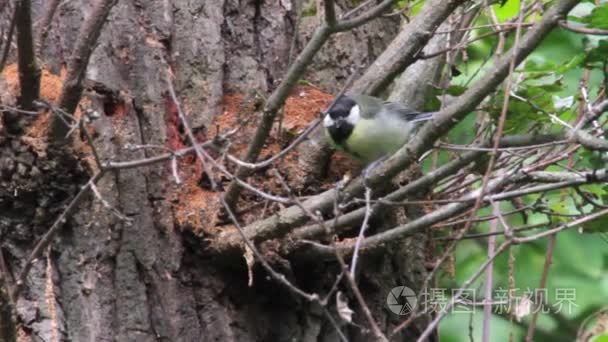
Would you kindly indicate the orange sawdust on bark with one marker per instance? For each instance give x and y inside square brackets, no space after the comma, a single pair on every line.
[50,89]
[11,74]
[196,208]
[301,108]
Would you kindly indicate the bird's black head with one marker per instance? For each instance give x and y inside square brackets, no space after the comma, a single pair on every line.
[338,122]
[342,107]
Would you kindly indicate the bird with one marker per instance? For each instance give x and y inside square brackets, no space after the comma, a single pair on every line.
[370,129]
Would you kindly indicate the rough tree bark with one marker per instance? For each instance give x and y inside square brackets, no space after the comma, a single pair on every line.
[149,279]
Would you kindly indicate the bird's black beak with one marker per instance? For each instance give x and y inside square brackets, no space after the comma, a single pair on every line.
[338,123]
[340,130]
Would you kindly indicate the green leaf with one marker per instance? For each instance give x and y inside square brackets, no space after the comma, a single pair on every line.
[601,338]
[548,82]
[572,63]
[590,159]
[572,247]
[581,10]
[599,225]
[535,66]
[599,17]
[506,10]
[598,192]
[598,53]
[456,90]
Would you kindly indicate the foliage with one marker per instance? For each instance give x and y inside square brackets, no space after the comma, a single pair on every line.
[545,95]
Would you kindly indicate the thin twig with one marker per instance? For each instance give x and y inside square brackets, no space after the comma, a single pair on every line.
[368,214]
[571,224]
[9,38]
[487,308]
[429,180]
[296,70]
[408,154]
[197,149]
[50,234]
[78,62]
[464,287]
[349,277]
[5,108]
[487,149]
[499,232]
[540,300]
[581,29]
[355,10]
[311,127]
[493,156]
[45,24]
[280,278]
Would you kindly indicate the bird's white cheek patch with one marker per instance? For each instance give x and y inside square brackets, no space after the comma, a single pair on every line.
[328,121]
[354,115]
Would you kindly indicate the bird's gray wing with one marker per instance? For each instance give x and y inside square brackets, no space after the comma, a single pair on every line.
[407,113]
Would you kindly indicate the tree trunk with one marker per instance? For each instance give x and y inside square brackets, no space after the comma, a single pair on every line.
[150,278]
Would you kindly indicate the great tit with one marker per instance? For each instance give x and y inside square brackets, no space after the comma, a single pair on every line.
[369,128]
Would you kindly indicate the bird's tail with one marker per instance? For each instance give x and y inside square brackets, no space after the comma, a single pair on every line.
[417,117]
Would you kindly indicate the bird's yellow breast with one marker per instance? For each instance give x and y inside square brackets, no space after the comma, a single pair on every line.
[371,139]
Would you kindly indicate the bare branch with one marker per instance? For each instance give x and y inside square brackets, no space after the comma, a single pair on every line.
[44,25]
[9,38]
[78,62]
[487,307]
[29,72]
[289,217]
[311,127]
[8,328]
[280,278]
[153,160]
[581,29]
[571,224]
[182,117]
[403,49]
[368,213]
[354,217]
[466,43]
[360,6]
[589,141]
[282,221]
[499,232]
[330,13]
[539,301]
[295,71]
[374,12]
[557,180]
[50,234]
[274,103]
[446,308]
